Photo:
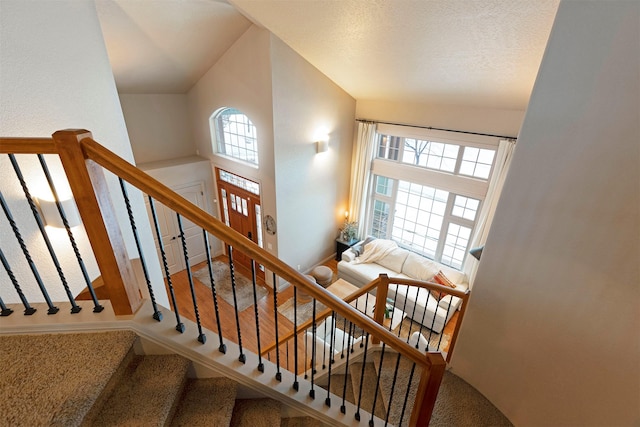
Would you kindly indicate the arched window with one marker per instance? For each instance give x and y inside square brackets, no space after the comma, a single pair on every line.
[235,135]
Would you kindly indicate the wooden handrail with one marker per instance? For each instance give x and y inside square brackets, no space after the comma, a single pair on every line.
[380,284]
[169,198]
[81,157]
[28,146]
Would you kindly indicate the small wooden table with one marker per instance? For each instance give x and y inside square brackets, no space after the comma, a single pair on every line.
[343,289]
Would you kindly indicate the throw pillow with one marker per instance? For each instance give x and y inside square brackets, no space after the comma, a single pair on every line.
[358,248]
[441,279]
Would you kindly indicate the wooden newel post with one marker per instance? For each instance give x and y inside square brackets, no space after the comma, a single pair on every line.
[381,302]
[427,393]
[92,198]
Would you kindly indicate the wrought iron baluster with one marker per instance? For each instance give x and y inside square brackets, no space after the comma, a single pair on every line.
[6,311]
[242,357]
[364,362]
[306,352]
[393,387]
[275,316]
[366,303]
[424,314]
[201,336]
[222,348]
[163,255]
[364,310]
[75,308]
[312,392]
[97,307]
[333,327]
[413,314]
[156,313]
[344,328]
[255,307]
[375,394]
[296,384]
[406,394]
[445,324]
[404,307]
[28,310]
[343,407]
[433,322]
[52,309]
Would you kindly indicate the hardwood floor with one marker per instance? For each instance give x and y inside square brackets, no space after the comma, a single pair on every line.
[247,317]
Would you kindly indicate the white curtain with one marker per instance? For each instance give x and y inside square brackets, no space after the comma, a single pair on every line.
[363,149]
[503,160]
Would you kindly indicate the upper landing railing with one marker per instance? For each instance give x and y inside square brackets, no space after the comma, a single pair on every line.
[85,163]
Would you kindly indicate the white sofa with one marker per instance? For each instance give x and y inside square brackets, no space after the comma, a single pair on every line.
[362,264]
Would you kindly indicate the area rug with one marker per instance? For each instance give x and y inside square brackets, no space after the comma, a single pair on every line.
[304,312]
[222,282]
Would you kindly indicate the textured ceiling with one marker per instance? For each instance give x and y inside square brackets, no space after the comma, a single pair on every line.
[166,46]
[462,52]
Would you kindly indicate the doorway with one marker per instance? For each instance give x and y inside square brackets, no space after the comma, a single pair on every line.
[241,211]
[170,231]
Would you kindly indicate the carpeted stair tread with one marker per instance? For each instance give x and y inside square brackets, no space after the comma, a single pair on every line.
[401,387]
[44,380]
[256,413]
[337,387]
[148,396]
[368,388]
[206,402]
[301,422]
[476,410]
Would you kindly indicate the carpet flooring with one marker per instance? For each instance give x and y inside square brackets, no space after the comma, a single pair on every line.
[95,379]
[41,382]
[222,282]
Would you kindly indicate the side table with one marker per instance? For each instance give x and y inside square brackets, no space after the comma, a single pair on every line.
[343,245]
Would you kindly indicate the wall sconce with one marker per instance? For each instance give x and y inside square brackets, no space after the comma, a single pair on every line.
[476,252]
[52,217]
[322,144]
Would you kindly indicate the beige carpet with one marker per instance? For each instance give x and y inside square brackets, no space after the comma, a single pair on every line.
[206,402]
[41,380]
[457,404]
[256,413]
[222,281]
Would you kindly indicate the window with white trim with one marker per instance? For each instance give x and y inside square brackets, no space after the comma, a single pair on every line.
[234,135]
[427,190]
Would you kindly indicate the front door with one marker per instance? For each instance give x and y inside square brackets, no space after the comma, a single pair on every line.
[170,231]
[241,211]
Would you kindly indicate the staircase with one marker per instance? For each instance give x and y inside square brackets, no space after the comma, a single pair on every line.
[458,403]
[97,379]
[388,388]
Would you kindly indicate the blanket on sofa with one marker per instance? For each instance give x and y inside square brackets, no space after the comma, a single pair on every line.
[376,250]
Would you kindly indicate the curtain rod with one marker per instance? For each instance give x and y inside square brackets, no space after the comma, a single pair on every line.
[432,128]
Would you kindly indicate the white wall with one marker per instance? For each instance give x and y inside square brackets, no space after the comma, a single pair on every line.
[312,189]
[288,101]
[55,74]
[472,119]
[240,79]
[158,126]
[551,334]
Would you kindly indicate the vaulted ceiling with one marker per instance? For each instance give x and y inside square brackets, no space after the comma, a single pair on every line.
[472,53]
